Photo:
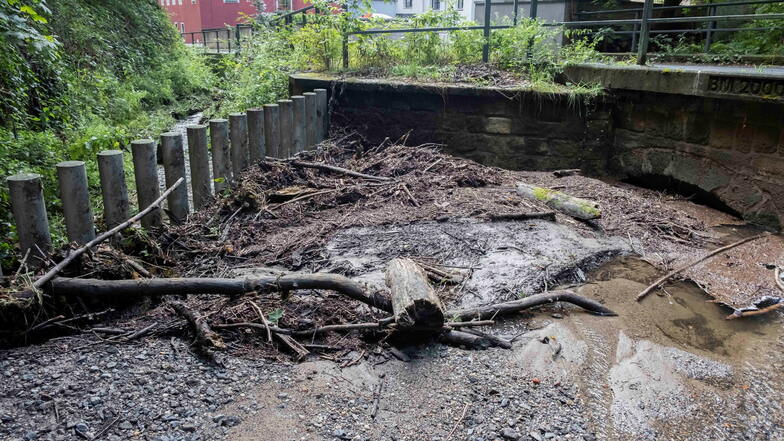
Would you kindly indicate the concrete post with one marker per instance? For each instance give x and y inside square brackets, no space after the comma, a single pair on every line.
[272,129]
[322,115]
[174,169]
[32,225]
[286,128]
[113,189]
[298,120]
[221,157]
[145,171]
[200,165]
[72,179]
[256,135]
[310,119]
[238,127]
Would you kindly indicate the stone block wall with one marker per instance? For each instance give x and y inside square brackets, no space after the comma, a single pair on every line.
[520,130]
[730,148]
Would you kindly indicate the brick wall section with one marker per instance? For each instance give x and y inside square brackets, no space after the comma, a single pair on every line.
[730,148]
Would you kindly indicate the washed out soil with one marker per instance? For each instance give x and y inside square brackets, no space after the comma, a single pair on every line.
[569,375]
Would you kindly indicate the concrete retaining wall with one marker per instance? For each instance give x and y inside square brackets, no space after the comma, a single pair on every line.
[731,148]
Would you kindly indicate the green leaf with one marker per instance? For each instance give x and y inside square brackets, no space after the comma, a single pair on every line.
[275,316]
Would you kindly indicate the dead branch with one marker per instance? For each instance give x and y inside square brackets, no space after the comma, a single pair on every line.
[385,324]
[567,172]
[292,344]
[683,268]
[341,170]
[548,215]
[119,289]
[206,338]
[38,284]
[497,341]
[460,338]
[529,302]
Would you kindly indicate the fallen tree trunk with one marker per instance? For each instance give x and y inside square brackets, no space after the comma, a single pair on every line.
[119,289]
[575,207]
[490,311]
[414,302]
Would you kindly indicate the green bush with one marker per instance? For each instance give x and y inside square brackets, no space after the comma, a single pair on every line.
[80,76]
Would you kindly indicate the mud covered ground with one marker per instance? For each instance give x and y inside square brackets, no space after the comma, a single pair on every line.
[669,367]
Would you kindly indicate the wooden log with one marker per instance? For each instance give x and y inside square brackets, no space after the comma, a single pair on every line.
[200,165]
[299,120]
[464,339]
[145,173]
[489,311]
[286,128]
[63,286]
[32,225]
[75,194]
[113,188]
[310,119]
[322,115]
[575,207]
[256,149]
[414,302]
[546,215]
[566,172]
[272,130]
[238,128]
[221,155]
[174,169]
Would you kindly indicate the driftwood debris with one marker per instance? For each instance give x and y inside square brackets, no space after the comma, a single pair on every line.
[340,170]
[683,268]
[566,172]
[489,311]
[206,338]
[547,215]
[414,302]
[52,273]
[575,207]
[64,286]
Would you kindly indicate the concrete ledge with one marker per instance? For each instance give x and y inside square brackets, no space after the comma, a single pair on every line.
[691,80]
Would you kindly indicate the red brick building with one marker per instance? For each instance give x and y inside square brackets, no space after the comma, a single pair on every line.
[197,15]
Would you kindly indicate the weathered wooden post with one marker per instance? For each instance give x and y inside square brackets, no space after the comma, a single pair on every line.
[145,171]
[113,188]
[322,115]
[256,135]
[298,121]
[272,129]
[310,119]
[32,225]
[200,165]
[414,302]
[238,127]
[74,192]
[174,169]
[221,157]
[286,128]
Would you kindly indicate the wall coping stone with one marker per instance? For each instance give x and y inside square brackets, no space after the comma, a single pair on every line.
[692,81]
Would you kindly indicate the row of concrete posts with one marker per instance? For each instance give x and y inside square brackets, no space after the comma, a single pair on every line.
[275,130]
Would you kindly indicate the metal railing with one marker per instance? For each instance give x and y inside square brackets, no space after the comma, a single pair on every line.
[641,24]
[712,18]
[218,40]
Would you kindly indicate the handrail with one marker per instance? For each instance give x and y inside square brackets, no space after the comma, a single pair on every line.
[657,8]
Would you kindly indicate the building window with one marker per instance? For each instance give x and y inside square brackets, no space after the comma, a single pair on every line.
[284,4]
[435,5]
[408,4]
[193,2]
[460,4]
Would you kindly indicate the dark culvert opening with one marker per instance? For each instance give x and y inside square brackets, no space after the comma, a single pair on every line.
[674,186]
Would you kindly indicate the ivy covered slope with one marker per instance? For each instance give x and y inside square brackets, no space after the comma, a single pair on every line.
[80,76]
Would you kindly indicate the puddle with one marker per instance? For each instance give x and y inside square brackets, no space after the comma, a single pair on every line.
[683,316]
